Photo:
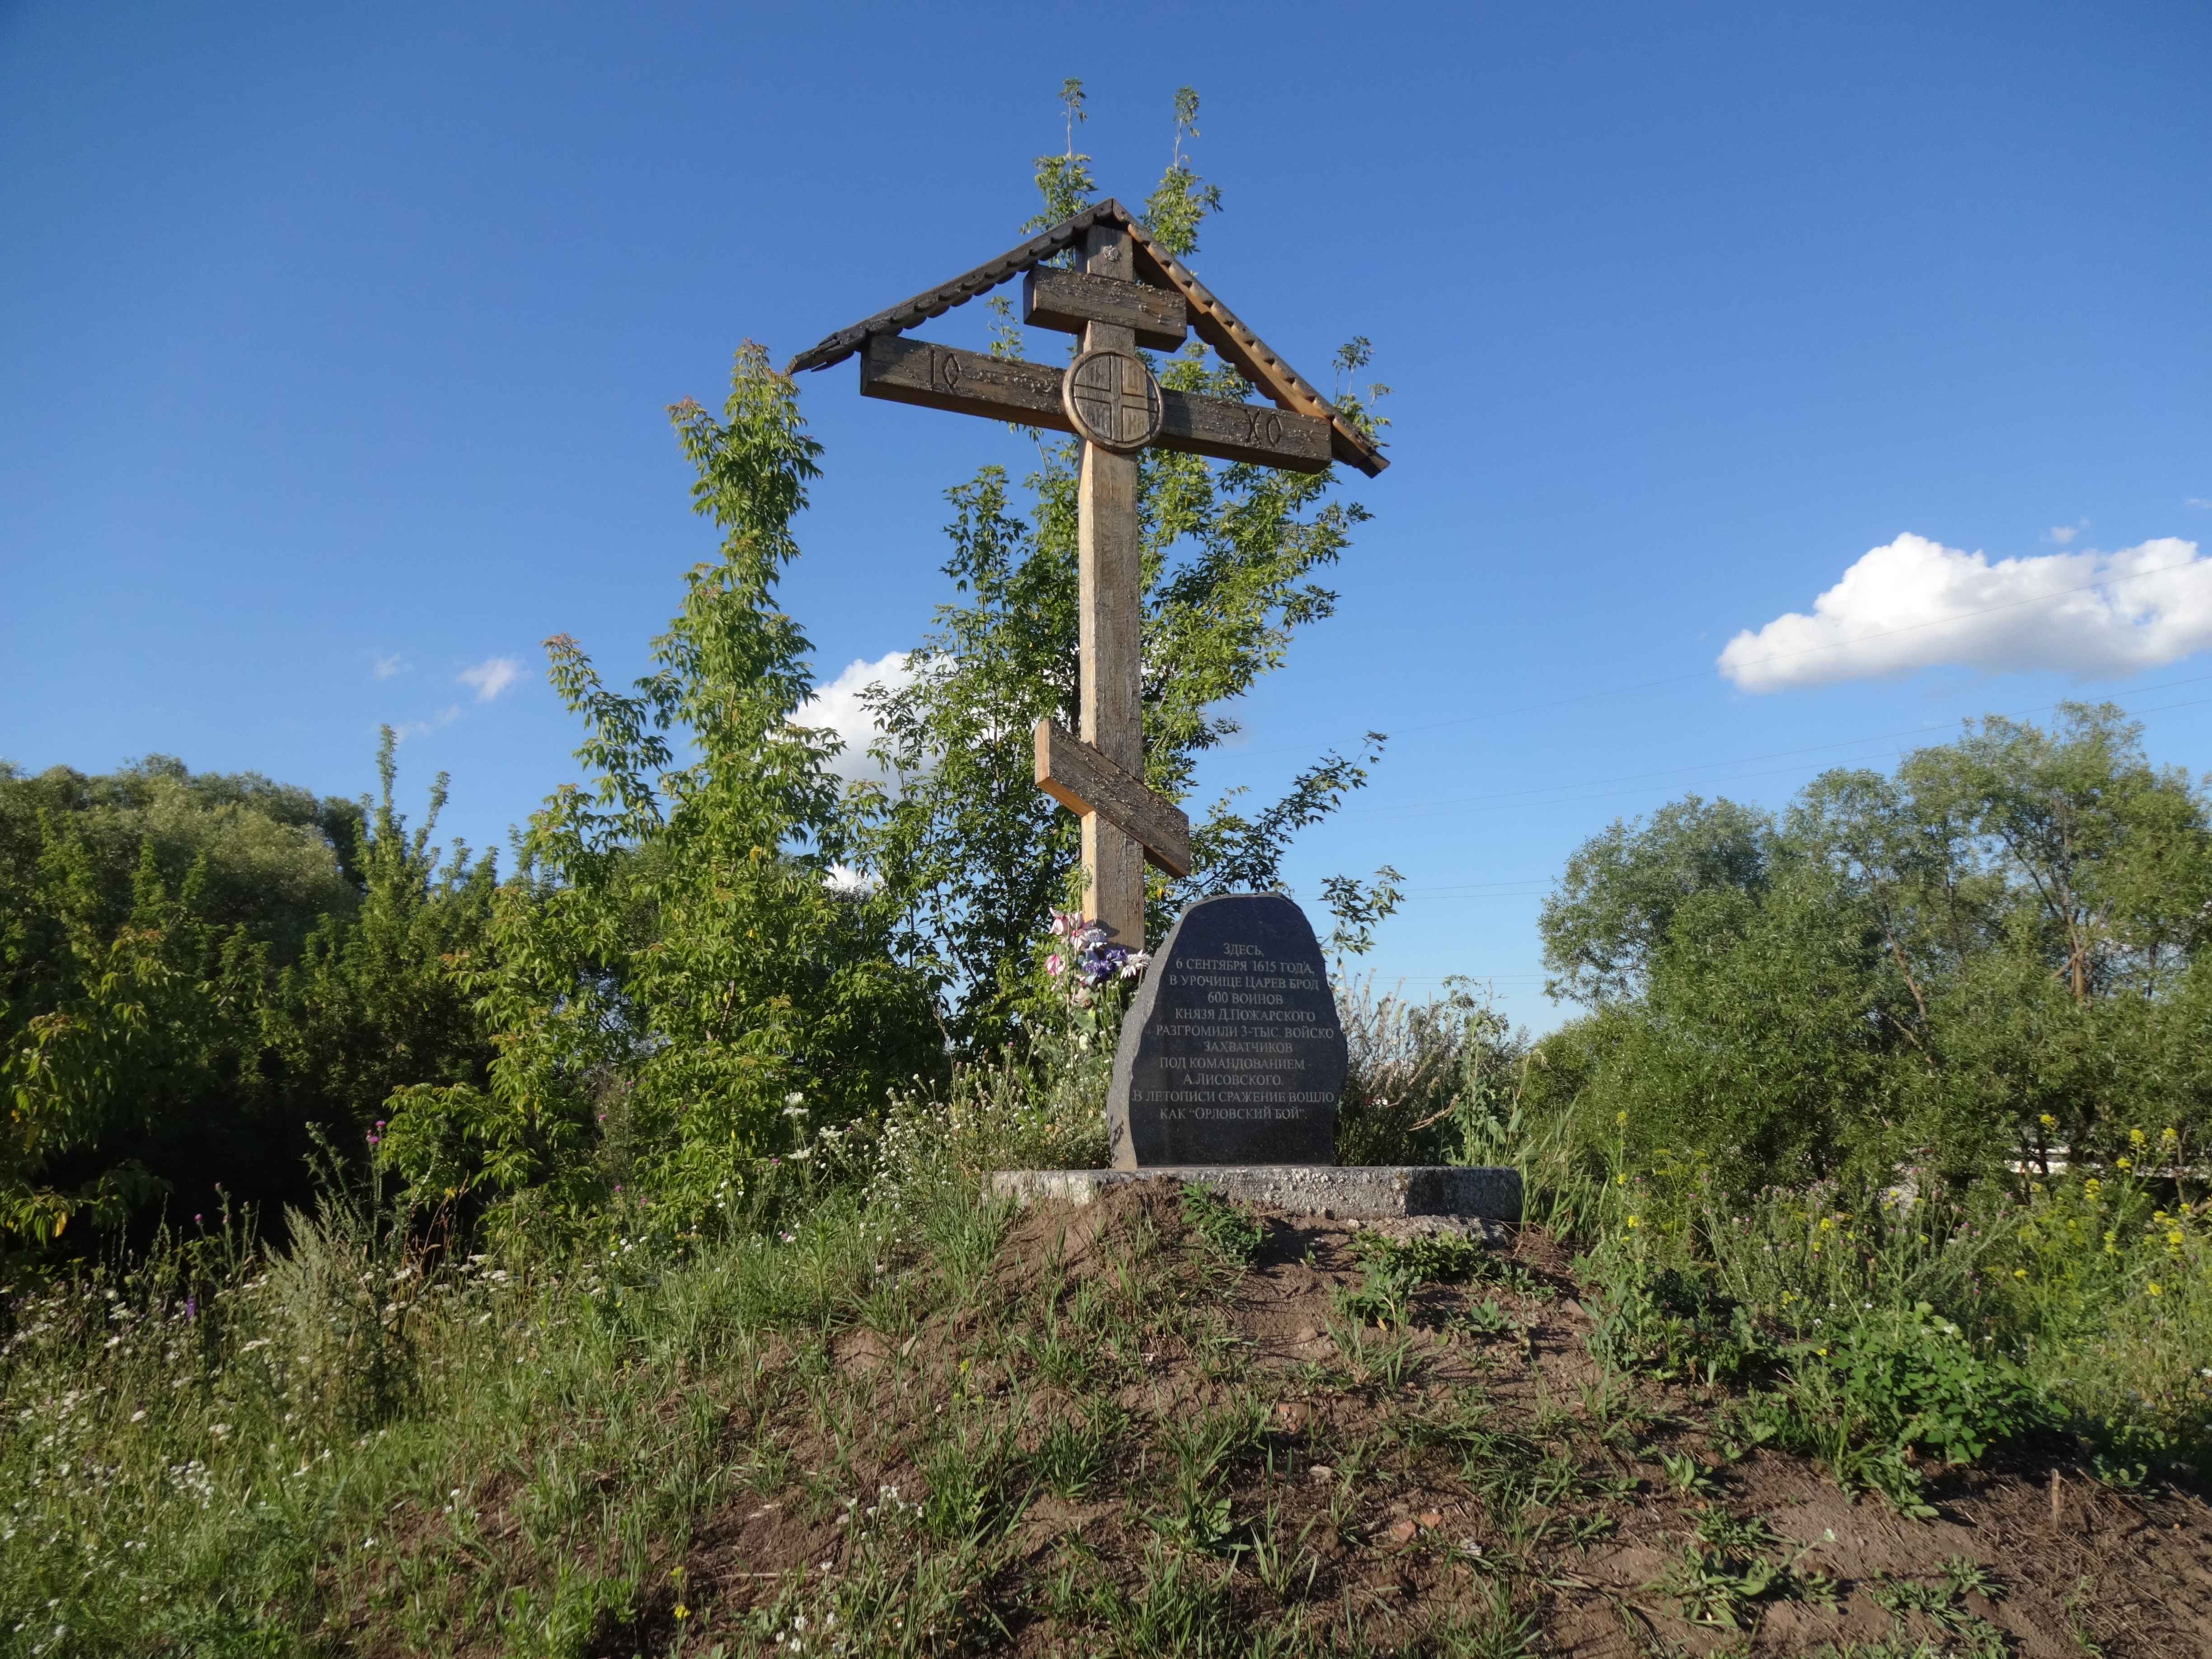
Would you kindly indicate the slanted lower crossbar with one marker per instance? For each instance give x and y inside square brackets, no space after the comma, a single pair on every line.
[1081,780]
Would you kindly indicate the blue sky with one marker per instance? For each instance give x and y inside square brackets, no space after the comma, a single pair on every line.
[335,345]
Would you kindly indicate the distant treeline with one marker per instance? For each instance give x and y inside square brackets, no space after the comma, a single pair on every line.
[1994,956]
[198,973]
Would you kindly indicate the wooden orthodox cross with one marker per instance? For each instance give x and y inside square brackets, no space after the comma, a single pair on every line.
[1124,291]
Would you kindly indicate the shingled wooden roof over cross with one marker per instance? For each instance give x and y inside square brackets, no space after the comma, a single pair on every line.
[940,376]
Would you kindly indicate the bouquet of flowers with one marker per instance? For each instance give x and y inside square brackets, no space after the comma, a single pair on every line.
[1082,952]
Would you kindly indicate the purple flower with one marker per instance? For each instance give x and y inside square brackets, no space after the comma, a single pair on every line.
[198,1220]
[1100,961]
[191,1309]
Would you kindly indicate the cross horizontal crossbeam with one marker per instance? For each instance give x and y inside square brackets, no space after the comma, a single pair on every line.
[1008,389]
[1238,346]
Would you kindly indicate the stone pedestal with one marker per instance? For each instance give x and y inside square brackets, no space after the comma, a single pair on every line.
[1332,1191]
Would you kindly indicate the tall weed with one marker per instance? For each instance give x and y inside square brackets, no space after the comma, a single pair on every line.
[348,1290]
[1042,1110]
[2112,1289]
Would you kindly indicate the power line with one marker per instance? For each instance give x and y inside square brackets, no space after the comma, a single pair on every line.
[1472,886]
[1669,771]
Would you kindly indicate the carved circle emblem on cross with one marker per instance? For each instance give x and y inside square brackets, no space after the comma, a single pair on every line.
[1112,400]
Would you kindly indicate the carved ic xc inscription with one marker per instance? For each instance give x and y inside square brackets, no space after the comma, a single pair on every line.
[1266,426]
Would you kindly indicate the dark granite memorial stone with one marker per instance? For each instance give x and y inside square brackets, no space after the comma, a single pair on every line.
[1231,1051]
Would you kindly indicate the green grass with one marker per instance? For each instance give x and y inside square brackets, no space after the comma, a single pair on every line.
[350,1443]
[1232,1231]
[356,1444]
[216,1452]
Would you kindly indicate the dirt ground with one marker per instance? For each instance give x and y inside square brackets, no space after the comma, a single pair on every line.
[1488,1463]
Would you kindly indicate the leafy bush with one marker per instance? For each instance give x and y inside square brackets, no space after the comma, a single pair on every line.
[1676,1322]
[1913,1379]
[198,972]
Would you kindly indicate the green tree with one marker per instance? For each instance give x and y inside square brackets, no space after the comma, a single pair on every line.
[1614,906]
[375,1003]
[680,968]
[1991,955]
[1176,209]
[977,858]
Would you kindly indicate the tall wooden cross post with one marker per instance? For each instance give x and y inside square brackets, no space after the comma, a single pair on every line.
[1121,291]
[1112,400]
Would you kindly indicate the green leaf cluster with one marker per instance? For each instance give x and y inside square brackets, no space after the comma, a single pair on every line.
[198,972]
[1992,956]
[686,972]
[1913,1379]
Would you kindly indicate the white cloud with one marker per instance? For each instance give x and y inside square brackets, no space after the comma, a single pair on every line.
[491,676]
[2064,534]
[1916,603]
[387,666]
[423,728]
[838,705]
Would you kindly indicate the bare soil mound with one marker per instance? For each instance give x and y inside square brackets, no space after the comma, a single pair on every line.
[1116,1435]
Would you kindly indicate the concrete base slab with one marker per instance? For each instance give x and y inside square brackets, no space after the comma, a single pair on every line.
[1333,1191]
